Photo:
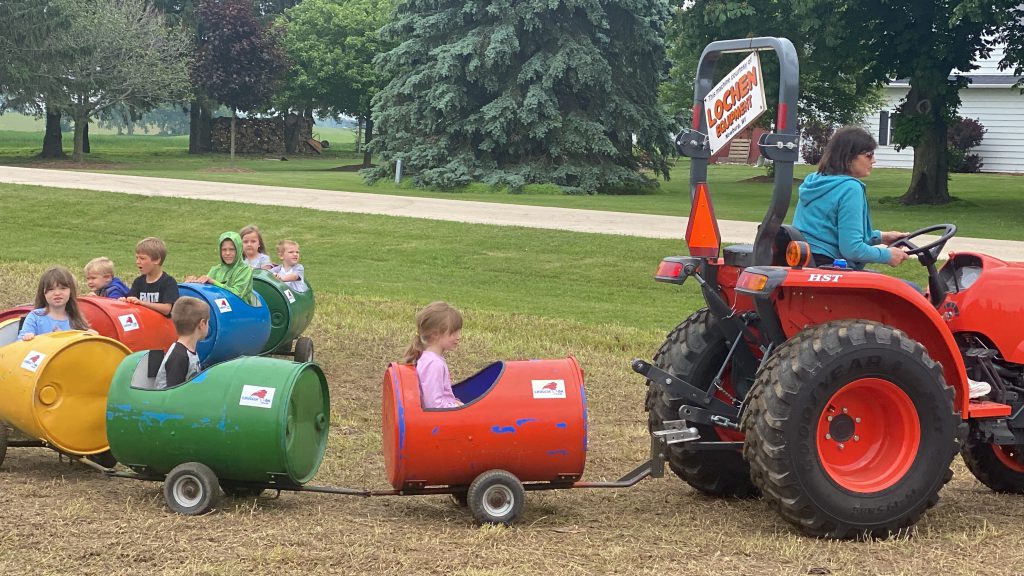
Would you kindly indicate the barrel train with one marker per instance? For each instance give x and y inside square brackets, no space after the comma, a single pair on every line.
[249,423]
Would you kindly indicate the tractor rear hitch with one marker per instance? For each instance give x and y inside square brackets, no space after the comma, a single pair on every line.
[679,389]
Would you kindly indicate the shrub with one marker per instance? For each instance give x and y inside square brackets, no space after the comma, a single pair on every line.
[964,134]
[814,136]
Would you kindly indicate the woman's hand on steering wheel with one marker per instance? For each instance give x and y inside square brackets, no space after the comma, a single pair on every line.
[892,236]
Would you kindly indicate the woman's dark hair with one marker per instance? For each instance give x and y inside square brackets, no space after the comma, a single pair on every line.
[846,144]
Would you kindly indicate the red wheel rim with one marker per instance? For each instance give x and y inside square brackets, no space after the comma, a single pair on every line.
[1008,456]
[868,435]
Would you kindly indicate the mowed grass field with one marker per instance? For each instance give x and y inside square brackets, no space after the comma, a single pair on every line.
[986,206]
[524,293]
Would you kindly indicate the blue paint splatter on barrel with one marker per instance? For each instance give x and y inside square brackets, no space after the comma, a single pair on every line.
[503,429]
[558,452]
[561,425]
[522,421]
[435,430]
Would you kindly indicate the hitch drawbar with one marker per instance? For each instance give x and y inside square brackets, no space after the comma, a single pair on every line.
[676,432]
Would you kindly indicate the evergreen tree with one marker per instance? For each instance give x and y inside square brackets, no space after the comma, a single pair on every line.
[513,92]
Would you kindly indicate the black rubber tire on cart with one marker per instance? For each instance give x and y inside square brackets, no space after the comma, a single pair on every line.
[695,351]
[496,497]
[105,459]
[850,430]
[303,349]
[4,434]
[1001,468]
[460,499]
[191,489]
[239,490]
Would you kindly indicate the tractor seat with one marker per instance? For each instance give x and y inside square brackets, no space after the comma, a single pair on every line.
[742,255]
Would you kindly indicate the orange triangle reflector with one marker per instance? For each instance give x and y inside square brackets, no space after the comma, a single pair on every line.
[702,235]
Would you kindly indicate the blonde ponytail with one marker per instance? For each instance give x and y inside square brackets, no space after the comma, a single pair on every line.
[435,319]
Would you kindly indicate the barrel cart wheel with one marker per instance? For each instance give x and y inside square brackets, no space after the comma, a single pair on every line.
[3,441]
[851,431]
[237,490]
[191,489]
[459,498]
[496,497]
[303,349]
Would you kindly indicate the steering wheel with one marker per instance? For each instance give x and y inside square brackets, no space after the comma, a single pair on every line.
[932,249]
[928,255]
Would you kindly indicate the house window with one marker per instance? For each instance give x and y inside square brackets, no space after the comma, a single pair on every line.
[883,128]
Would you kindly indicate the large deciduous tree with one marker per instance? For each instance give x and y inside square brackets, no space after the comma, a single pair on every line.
[529,91]
[26,31]
[331,46]
[86,57]
[869,42]
[238,60]
[124,55]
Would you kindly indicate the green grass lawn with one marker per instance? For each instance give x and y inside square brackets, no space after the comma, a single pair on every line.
[987,206]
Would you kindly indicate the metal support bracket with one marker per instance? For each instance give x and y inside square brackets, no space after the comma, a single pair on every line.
[693,144]
[780,147]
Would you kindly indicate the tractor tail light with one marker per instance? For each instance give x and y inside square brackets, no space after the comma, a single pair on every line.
[752,282]
[671,270]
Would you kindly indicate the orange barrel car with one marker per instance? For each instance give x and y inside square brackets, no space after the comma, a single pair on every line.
[137,327]
[521,421]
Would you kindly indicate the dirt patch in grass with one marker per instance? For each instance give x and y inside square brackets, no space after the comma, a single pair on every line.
[62,518]
[350,168]
[226,170]
[72,165]
[765,179]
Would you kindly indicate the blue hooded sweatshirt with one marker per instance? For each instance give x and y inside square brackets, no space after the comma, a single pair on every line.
[116,289]
[833,216]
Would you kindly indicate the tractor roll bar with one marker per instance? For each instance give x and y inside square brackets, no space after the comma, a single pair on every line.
[780,146]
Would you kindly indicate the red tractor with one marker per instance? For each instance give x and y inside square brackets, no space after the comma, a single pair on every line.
[841,396]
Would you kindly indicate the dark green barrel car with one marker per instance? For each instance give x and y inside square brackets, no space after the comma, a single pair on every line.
[246,424]
[291,312]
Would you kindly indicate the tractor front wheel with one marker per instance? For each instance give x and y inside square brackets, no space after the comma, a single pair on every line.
[1001,468]
[695,351]
[851,430]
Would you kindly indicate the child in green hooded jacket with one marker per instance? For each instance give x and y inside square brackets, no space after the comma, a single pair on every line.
[232,274]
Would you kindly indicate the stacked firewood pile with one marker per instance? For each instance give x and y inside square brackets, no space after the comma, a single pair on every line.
[252,135]
[292,134]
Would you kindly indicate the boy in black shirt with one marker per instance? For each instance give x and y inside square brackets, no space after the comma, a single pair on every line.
[154,289]
[191,317]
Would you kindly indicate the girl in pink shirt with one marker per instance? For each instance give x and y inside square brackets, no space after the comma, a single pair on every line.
[438,330]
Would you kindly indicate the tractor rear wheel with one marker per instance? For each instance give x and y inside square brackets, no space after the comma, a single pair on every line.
[850,430]
[1001,468]
[695,351]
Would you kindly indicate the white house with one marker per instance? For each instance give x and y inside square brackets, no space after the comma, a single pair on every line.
[990,98]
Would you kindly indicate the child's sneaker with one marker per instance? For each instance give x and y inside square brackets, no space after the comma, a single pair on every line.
[979,389]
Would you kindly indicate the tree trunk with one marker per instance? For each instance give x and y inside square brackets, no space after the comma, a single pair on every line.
[80,122]
[85,137]
[359,134]
[199,128]
[53,140]
[369,137]
[930,181]
[233,116]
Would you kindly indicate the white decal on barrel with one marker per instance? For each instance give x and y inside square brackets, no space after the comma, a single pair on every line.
[129,322]
[32,361]
[291,297]
[258,396]
[548,388]
[222,305]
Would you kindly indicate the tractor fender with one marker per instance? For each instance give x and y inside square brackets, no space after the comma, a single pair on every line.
[811,296]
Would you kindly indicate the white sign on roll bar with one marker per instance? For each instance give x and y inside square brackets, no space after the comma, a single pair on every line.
[735,102]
